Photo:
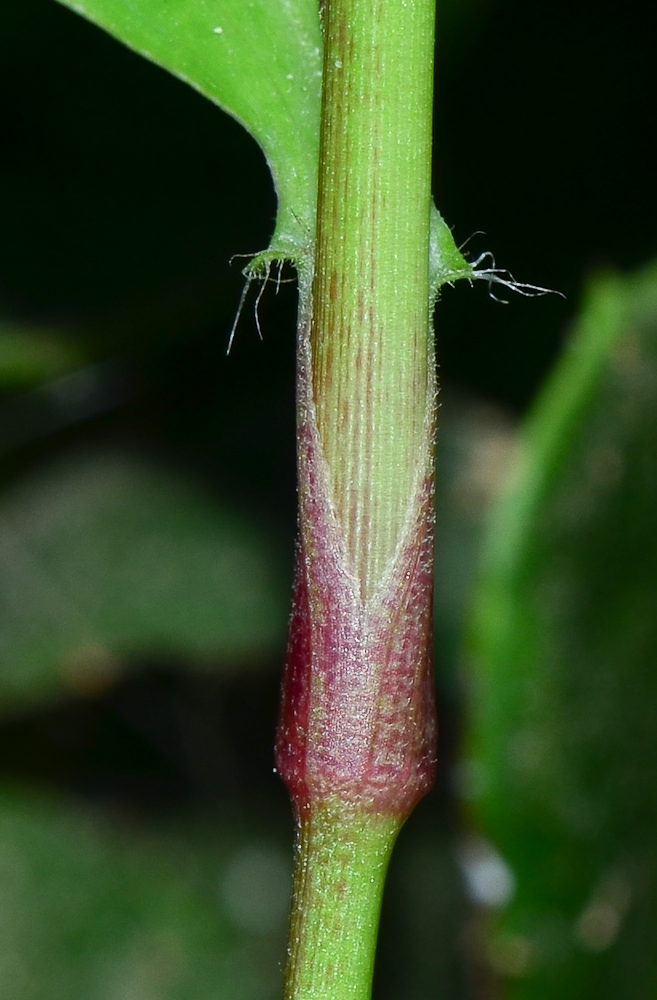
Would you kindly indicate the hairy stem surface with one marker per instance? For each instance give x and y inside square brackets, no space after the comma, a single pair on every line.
[370,330]
[332,947]
[356,737]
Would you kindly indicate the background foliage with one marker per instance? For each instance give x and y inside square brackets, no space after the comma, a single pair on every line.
[147,523]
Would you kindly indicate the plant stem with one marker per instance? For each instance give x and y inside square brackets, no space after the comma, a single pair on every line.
[337,895]
[356,737]
[371,323]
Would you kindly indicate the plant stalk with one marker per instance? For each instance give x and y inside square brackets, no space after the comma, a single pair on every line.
[371,324]
[332,947]
[357,727]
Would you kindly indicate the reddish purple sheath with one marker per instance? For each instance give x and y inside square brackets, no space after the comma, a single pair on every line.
[357,719]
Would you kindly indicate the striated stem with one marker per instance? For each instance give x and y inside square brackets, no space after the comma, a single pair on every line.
[370,326]
[332,947]
[357,719]
[357,727]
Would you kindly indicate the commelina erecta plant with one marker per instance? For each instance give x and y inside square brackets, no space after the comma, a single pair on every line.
[340,100]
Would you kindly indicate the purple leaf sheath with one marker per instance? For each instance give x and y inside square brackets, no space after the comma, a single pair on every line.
[357,720]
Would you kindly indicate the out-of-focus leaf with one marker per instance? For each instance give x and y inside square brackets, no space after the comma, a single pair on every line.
[90,910]
[564,734]
[61,402]
[29,356]
[260,61]
[106,556]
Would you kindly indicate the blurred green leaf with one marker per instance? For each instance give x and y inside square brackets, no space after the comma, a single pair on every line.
[564,730]
[106,556]
[260,61]
[96,910]
[32,355]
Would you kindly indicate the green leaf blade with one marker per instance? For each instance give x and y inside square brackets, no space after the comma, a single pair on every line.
[260,62]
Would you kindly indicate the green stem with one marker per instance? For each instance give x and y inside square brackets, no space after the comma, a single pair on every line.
[337,896]
[371,306]
[356,731]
